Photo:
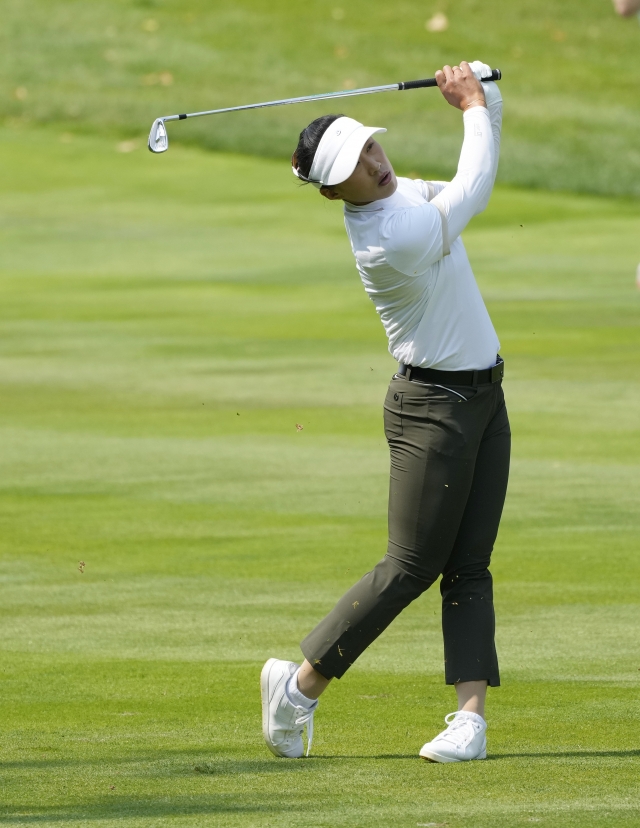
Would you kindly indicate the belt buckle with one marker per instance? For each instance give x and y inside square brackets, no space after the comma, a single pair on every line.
[497,372]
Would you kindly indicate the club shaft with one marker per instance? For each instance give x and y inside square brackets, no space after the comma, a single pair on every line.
[347,93]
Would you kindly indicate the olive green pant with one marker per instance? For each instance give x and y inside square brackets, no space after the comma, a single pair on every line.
[449,469]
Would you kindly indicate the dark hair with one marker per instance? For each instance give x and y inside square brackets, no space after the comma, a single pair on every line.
[308,143]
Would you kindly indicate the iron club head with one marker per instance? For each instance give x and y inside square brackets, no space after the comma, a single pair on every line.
[158,138]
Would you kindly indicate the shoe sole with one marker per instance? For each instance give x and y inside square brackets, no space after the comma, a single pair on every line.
[432,756]
[266,698]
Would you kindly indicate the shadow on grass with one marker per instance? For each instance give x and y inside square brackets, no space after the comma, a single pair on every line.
[112,808]
[368,756]
[116,806]
[583,754]
[180,762]
[550,755]
[177,761]
[231,767]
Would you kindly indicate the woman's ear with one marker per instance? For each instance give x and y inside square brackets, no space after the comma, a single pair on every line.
[329,193]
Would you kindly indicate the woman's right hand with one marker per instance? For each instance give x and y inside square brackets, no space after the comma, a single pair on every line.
[460,87]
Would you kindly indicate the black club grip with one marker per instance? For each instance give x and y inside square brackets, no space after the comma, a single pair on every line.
[496,74]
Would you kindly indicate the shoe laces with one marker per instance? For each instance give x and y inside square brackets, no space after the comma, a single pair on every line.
[457,722]
[306,718]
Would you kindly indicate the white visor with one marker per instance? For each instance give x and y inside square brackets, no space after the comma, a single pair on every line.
[338,152]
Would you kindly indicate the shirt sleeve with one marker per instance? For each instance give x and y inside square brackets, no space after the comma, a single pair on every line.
[412,239]
[494,105]
[438,187]
[416,238]
[468,193]
[429,189]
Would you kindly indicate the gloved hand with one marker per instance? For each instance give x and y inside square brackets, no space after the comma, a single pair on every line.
[491,92]
[480,69]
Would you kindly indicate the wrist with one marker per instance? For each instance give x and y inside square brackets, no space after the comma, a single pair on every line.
[475,102]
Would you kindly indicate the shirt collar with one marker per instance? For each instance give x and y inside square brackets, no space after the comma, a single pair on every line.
[373,206]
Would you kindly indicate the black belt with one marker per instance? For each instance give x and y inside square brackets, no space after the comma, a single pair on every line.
[474,378]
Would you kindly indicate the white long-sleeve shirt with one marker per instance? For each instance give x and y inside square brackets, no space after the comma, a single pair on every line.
[413,263]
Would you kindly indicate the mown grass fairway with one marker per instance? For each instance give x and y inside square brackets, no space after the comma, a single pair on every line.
[165,324]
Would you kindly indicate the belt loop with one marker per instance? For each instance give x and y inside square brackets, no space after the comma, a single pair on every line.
[474,380]
[407,371]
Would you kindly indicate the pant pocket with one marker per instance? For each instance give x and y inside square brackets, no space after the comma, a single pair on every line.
[443,393]
[393,414]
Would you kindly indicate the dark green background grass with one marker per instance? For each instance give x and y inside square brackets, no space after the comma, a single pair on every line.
[165,324]
[571,71]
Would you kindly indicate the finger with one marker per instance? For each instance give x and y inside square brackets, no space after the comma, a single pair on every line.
[448,73]
[466,70]
[441,78]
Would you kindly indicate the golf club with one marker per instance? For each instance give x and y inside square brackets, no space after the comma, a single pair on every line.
[159,140]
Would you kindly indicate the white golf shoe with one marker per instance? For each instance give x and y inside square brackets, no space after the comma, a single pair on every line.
[282,720]
[464,739]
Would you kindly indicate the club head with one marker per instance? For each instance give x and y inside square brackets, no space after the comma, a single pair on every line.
[158,138]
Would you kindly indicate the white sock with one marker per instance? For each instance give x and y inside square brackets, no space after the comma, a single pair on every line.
[296,696]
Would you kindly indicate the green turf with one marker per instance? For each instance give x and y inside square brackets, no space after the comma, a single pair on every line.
[165,324]
[570,82]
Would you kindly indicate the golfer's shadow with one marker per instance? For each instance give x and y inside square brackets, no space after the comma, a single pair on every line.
[582,754]
[496,757]
[361,756]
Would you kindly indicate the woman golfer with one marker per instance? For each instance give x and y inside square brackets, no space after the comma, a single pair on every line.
[444,416]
